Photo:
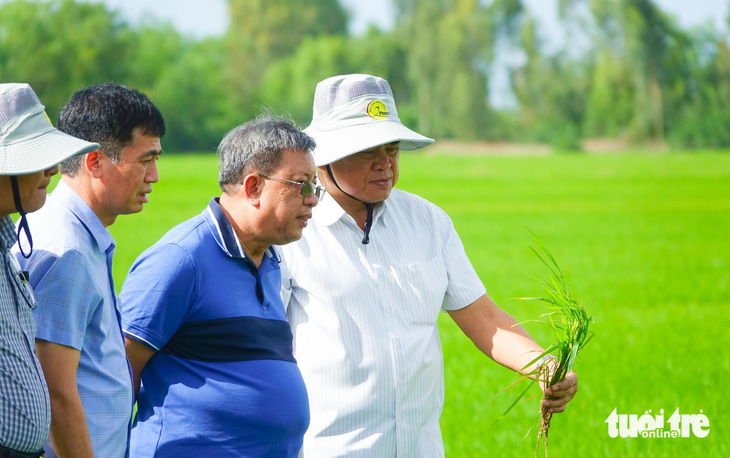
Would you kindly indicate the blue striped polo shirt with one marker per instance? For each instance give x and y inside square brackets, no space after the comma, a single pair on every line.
[223,381]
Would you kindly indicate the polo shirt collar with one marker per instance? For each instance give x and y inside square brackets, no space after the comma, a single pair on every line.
[67,197]
[328,211]
[224,234]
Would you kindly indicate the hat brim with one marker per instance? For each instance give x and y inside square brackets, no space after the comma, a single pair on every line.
[41,152]
[337,144]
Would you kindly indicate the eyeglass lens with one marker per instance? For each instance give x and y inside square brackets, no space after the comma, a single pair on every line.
[308,188]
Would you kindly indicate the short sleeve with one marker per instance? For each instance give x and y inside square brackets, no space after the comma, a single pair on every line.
[66,296]
[158,294]
[465,286]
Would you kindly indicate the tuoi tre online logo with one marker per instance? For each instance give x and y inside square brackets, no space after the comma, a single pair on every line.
[649,426]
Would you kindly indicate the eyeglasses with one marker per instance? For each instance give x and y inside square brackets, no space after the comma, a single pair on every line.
[307,187]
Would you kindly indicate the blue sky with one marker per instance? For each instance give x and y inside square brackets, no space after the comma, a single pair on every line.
[210,17]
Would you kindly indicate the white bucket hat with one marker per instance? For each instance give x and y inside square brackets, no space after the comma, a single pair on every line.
[353,113]
[28,141]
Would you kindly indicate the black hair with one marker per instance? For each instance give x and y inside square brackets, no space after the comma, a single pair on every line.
[107,114]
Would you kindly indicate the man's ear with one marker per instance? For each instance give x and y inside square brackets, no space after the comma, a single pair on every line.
[252,188]
[322,173]
[92,163]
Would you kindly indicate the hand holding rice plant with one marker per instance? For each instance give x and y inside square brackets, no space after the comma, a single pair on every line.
[570,323]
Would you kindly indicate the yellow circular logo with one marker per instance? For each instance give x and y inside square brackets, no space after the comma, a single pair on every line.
[377,110]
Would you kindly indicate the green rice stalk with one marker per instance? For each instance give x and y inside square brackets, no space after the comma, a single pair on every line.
[569,322]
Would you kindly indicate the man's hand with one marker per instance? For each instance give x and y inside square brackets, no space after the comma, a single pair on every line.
[560,394]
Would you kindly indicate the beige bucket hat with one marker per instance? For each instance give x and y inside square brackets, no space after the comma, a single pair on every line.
[356,112]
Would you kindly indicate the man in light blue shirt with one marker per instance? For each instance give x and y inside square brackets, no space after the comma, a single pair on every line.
[79,340]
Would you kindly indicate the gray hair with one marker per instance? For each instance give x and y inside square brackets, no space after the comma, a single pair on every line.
[257,146]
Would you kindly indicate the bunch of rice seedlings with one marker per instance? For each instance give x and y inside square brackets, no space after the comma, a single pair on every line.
[570,323]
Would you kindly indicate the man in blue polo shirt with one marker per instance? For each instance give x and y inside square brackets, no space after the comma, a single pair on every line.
[205,326]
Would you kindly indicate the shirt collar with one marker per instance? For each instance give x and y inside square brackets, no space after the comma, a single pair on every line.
[328,211]
[224,234]
[7,232]
[66,196]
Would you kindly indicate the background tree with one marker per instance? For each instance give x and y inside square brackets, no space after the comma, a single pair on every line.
[61,46]
[194,97]
[289,84]
[703,117]
[154,48]
[551,91]
[635,44]
[262,32]
[450,47]
[627,70]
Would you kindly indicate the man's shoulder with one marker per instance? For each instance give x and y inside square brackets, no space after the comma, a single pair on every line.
[175,255]
[404,197]
[56,229]
[52,215]
[413,204]
[188,232]
[185,240]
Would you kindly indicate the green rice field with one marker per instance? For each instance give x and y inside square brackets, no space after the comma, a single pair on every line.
[643,240]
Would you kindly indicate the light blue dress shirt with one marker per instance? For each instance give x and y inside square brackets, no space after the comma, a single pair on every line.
[70,271]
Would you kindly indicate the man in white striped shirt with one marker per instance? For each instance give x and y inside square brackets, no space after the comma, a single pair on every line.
[365,285]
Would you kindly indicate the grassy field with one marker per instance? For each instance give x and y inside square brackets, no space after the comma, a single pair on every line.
[643,240]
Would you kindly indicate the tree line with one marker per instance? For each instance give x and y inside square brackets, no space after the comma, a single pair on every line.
[637,76]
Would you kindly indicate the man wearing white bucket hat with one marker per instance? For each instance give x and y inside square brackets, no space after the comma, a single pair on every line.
[30,150]
[79,339]
[365,285]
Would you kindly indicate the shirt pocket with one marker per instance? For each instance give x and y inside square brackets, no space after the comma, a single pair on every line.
[419,291]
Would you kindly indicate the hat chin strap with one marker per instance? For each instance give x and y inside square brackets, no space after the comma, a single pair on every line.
[368,207]
[23,223]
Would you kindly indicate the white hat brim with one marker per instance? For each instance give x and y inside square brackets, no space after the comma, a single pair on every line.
[41,152]
[333,145]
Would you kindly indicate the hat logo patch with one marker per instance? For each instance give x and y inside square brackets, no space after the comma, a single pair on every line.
[377,110]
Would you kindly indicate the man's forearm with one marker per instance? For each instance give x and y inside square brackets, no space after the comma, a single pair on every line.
[497,334]
[69,429]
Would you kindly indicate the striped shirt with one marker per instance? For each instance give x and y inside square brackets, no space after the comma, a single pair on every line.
[70,271]
[364,320]
[25,410]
